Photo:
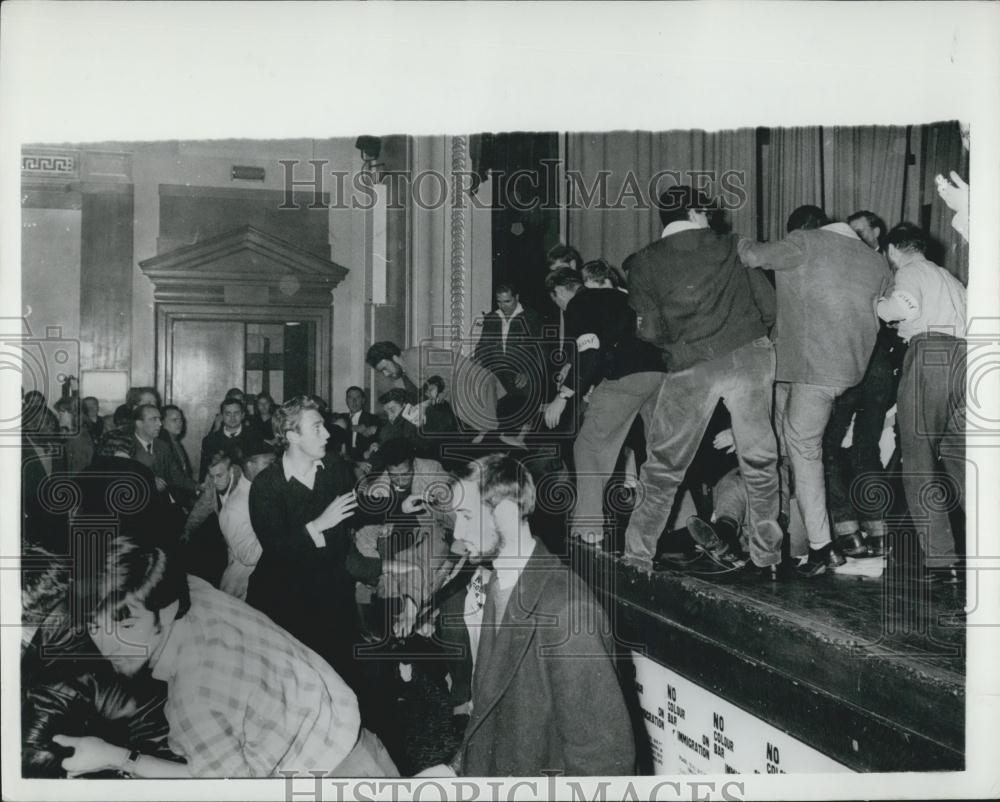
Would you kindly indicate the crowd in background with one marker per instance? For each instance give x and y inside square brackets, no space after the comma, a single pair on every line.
[280,587]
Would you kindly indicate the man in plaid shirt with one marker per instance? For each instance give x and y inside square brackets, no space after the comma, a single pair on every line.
[244,698]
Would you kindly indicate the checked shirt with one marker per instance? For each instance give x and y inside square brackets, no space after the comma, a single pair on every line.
[244,698]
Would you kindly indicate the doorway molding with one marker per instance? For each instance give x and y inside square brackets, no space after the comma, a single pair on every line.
[243,275]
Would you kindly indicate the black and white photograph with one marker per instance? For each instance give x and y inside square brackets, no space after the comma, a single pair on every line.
[500,400]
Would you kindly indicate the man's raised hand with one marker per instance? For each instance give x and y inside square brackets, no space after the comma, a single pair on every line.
[338,510]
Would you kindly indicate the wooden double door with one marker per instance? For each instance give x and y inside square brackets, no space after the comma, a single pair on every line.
[207,356]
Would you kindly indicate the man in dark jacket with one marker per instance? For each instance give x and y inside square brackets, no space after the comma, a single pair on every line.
[854,476]
[546,696]
[623,375]
[180,478]
[471,390]
[235,438]
[297,509]
[708,315]
[827,282]
[510,347]
[364,424]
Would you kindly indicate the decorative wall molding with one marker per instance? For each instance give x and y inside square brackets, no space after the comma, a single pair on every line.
[60,164]
[459,166]
[68,164]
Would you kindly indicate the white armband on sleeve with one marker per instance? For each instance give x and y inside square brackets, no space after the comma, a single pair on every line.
[588,342]
[411,413]
[906,303]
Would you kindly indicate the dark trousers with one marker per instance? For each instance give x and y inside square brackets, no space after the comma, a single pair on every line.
[743,379]
[855,480]
[517,408]
[931,415]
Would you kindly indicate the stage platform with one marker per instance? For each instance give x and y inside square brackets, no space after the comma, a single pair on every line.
[869,672]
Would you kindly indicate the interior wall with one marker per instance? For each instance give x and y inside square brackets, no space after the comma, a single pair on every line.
[209,164]
[50,281]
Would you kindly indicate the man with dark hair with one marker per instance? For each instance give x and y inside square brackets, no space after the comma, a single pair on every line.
[121,417]
[870,227]
[298,507]
[562,255]
[510,348]
[395,403]
[77,445]
[929,306]
[827,281]
[806,218]
[598,273]
[562,410]
[472,390]
[709,317]
[401,559]
[120,490]
[244,698]
[414,490]
[180,478]
[537,671]
[621,373]
[853,476]
[364,424]
[92,419]
[234,437]
[149,449]
[137,396]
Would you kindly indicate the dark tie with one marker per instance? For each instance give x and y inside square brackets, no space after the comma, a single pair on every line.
[149,448]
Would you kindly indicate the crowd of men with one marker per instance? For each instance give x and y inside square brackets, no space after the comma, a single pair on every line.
[782,352]
[265,591]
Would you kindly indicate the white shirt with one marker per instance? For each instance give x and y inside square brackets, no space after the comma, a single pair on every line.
[505,324]
[243,545]
[229,488]
[308,478]
[678,226]
[925,297]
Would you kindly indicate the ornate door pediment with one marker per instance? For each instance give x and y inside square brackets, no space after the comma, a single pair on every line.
[245,266]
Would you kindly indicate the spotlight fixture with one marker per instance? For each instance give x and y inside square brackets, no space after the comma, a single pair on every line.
[370,147]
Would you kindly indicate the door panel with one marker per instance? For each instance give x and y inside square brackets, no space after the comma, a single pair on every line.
[207,359]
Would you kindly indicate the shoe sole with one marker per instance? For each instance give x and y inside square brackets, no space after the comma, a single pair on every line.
[703,534]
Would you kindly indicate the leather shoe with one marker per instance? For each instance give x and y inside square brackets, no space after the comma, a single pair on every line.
[707,538]
[820,561]
[948,575]
[851,545]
